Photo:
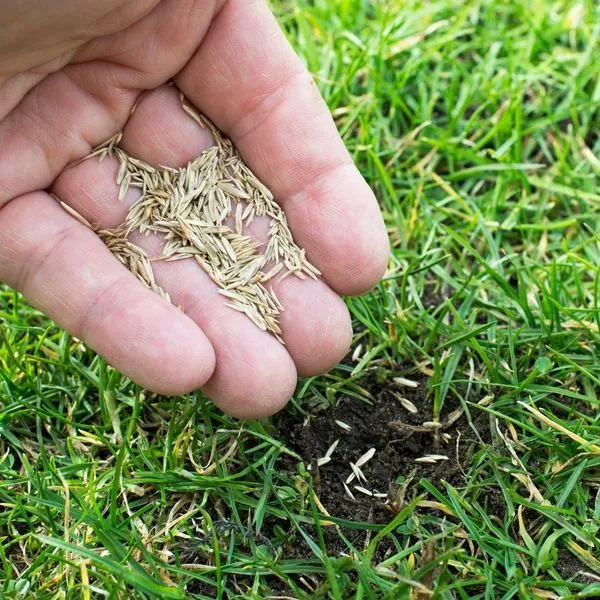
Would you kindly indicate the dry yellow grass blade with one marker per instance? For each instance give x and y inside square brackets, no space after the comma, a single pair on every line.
[593,448]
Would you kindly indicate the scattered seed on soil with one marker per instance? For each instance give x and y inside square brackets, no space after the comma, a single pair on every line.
[406,382]
[363,490]
[432,458]
[193,207]
[365,458]
[356,473]
[396,452]
[348,492]
[432,425]
[343,425]
[408,405]
[357,352]
[332,448]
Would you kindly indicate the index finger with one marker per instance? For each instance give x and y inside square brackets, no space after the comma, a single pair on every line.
[246,77]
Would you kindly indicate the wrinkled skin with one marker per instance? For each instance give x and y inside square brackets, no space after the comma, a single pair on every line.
[70,73]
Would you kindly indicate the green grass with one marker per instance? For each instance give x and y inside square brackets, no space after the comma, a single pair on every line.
[477,126]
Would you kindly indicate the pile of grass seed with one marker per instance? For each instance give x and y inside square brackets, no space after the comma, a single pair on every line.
[203,210]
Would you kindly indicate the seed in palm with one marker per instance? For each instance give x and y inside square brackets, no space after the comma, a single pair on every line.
[203,210]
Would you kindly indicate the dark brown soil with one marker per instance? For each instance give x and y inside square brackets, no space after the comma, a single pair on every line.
[571,568]
[398,437]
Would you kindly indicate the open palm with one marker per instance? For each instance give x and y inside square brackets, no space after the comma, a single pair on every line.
[232,62]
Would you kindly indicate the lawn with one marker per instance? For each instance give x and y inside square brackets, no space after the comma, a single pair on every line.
[474,373]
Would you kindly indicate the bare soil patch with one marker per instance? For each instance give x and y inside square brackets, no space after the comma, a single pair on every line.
[401,440]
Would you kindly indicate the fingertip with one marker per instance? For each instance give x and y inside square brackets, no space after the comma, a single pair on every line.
[355,257]
[364,248]
[316,324]
[339,223]
[168,354]
[185,371]
[366,265]
[331,344]
[263,387]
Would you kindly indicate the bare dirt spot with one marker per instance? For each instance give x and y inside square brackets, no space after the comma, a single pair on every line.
[400,438]
[571,568]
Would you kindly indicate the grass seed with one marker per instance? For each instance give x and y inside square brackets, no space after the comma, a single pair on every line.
[193,207]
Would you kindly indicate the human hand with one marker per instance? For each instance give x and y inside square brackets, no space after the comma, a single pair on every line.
[70,75]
